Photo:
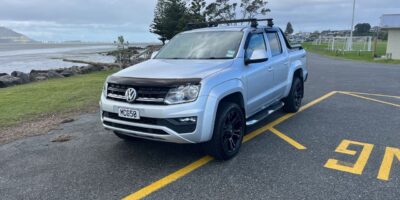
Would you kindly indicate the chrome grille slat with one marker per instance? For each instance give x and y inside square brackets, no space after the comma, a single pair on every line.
[116,89]
[116,96]
[150,99]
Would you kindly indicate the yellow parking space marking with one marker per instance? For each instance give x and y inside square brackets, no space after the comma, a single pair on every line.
[371,99]
[387,162]
[147,190]
[372,94]
[288,139]
[359,165]
[169,179]
[305,107]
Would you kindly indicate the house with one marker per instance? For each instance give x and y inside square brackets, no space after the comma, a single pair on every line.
[391,23]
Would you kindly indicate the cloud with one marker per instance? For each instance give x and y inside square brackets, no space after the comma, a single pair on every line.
[95,20]
[104,20]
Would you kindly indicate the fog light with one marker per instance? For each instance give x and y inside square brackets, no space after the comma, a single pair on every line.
[188,119]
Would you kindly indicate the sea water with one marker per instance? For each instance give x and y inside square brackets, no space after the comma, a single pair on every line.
[25,57]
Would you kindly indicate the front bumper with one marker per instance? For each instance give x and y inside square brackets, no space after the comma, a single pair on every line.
[155,122]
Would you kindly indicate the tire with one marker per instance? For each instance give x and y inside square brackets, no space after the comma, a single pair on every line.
[229,129]
[293,100]
[126,137]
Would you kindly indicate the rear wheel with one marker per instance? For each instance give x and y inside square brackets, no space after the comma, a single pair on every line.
[126,137]
[293,101]
[228,132]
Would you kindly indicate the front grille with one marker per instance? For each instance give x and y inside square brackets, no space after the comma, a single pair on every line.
[145,95]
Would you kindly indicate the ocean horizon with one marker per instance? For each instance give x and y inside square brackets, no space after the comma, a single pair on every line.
[42,56]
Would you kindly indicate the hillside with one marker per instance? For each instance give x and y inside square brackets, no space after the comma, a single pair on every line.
[10,36]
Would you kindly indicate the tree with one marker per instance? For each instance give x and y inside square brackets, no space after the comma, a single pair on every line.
[289,29]
[121,40]
[169,18]
[362,29]
[196,11]
[221,10]
[158,26]
[252,8]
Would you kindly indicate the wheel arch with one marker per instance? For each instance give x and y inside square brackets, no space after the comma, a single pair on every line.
[295,70]
[229,91]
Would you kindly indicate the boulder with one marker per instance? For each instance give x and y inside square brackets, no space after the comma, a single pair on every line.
[54,74]
[34,74]
[3,74]
[90,68]
[40,78]
[7,80]
[67,73]
[23,76]
[75,69]
[33,71]
[59,70]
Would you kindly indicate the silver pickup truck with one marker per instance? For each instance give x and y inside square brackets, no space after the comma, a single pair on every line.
[206,86]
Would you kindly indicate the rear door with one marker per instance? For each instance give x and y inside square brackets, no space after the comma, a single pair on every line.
[279,61]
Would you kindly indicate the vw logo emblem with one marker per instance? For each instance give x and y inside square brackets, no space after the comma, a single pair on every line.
[130,95]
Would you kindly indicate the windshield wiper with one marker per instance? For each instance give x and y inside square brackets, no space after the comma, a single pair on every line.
[189,58]
[213,58]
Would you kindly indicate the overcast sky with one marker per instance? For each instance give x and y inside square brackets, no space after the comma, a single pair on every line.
[104,20]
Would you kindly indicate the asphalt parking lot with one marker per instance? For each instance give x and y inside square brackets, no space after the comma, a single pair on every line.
[344,144]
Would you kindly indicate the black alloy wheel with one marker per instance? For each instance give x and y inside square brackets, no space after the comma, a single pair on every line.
[295,97]
[233,128]
[229,129]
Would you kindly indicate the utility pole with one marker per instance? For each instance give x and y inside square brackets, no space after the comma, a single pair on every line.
[350,44]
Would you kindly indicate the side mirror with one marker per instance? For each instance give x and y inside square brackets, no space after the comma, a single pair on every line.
[153,54]
[256,56]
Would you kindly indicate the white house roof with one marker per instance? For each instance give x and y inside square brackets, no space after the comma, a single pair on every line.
[390,21]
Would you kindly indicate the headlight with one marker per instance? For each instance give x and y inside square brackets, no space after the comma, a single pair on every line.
[105,89]
[182,94]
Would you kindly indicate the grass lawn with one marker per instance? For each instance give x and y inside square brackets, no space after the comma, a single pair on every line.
[362,56]
[56,96]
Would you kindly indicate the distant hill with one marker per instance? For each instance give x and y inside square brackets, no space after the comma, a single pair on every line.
[10,36]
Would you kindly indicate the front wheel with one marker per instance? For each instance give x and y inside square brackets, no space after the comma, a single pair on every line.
[293,100]
[228,133]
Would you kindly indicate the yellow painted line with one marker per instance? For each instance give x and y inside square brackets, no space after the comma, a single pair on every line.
[288,139]
[358,166]
[312,103]
[371,94]
[169,179]
[386,166]
[371,99]
[206,159]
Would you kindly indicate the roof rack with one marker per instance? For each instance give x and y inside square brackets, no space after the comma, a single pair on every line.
[253,23]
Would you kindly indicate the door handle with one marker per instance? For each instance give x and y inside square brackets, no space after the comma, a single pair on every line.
[270,69]
[286,63]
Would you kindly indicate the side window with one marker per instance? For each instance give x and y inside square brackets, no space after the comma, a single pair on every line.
[274,43]
[255,42]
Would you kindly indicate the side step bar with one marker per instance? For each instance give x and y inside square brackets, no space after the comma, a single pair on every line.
[264,113]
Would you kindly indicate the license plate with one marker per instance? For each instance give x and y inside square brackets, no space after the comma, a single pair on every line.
[128,113]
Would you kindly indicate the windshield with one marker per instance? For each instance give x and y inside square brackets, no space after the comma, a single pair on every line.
[202,45]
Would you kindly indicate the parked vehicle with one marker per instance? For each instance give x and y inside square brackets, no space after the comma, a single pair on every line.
[205,86]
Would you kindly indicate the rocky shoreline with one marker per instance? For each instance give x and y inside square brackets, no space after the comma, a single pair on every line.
[18,77]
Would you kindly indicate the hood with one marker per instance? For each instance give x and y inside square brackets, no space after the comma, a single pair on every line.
[172,69]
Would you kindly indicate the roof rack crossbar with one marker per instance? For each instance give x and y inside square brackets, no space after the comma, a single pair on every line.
[253,23]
